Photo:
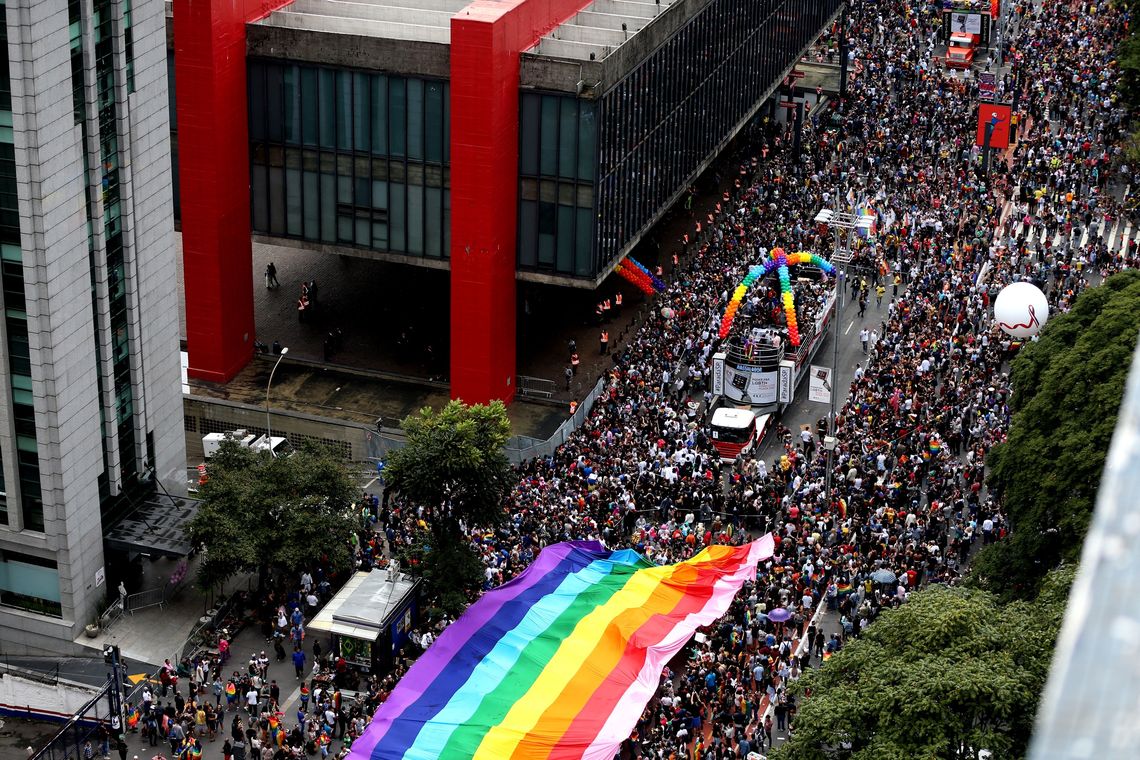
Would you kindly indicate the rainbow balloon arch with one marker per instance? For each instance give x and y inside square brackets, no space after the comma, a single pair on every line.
[634,271]
[779,261]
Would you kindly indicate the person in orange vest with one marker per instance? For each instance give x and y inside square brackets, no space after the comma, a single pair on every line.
[617,303]
[573,407]
[606,306]
[575,360]
[605,341]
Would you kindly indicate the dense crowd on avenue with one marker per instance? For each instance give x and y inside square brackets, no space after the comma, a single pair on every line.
[930,399]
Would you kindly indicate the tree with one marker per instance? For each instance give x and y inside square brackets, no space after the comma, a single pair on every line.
[1068,386]
[260,512]
[453,465]
[452,573]
[950,672]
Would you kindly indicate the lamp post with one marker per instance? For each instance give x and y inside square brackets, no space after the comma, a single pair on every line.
[836,221]
[268,426]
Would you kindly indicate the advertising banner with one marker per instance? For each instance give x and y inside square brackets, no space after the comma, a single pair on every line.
[819,384]
[998,115]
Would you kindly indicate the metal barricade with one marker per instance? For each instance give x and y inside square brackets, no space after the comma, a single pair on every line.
[535,387]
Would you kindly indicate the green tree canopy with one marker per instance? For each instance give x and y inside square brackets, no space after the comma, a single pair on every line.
[259,512]
[950,672]
[1068,386]
[453,464]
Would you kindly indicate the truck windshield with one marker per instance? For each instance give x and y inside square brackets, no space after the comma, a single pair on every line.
[732,435]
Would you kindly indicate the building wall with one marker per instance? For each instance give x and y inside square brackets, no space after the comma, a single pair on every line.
[90,137]
[671,113]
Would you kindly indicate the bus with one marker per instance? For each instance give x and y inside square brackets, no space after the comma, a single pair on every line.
[736,431]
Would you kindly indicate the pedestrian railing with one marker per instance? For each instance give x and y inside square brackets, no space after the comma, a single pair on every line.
[522,448]
[535,387]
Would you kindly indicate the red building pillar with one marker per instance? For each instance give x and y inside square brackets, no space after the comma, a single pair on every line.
[486,39]
[213,151]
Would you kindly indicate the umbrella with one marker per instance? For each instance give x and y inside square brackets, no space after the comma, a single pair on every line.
[883,576]
[780,614]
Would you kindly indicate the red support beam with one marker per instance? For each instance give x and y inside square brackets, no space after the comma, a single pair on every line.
[486,39]
[213,150]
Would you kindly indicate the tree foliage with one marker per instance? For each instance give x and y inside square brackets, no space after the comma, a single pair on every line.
[453,573]
[259,512]
[453,465]
[950,672]
[1068,386]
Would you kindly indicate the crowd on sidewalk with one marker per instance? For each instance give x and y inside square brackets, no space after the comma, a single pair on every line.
[908,500]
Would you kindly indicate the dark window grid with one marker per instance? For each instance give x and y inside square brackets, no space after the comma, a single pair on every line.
[333,124]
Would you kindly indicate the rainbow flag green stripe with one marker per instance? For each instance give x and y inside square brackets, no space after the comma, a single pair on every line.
[559,662]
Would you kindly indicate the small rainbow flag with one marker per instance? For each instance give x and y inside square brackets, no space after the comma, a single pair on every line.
[560,661]
[843,589]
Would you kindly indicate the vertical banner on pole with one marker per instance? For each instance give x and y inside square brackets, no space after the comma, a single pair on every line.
[819,384]
[718,373]
[997,114]
[787,381]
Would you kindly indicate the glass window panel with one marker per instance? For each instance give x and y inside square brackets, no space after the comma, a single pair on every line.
[547,224]
[327,111]
[397,116]
[446,124]
[380,115]
[583,261]
[379,194]
[291,98]
[415,106]
[446,223]
[328,208]
[565,239]
[587,140]
[528,134]
[568,138]
[312,204]
[433,118]
[276,200]
[309,106]
[396,229]
[528,233]
[344,110]
[361,112]
[260,199]
[415,219]
[433,222]
[380,236]
[548,151]
[257,103]
[293,201]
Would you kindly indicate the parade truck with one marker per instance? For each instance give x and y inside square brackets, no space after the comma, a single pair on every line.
[736,432]
[757,367]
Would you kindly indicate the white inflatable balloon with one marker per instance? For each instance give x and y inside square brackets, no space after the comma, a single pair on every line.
[1021,310]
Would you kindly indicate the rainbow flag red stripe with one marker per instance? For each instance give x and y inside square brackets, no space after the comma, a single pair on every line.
[560,662]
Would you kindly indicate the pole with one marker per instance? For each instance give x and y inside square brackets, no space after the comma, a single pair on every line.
[268,385]
[986,148]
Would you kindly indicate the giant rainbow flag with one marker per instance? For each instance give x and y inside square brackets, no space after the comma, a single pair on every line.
[560,661]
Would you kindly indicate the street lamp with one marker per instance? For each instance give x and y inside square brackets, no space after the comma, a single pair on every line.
[836,221]
[268,426]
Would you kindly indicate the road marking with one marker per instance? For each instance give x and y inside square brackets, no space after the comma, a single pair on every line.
[849,327]
[369,483]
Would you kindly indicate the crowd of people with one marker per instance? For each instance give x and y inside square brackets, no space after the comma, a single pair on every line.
[907,502]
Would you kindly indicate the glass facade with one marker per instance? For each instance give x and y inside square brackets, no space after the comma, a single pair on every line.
[16,316]
[350,158]
[557,160]
[663,119]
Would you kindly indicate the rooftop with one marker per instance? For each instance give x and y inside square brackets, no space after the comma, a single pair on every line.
[365,605]
[598,30]
[419,20]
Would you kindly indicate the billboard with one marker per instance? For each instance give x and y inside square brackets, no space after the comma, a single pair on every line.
[966,23]
[819,384]
[997,114]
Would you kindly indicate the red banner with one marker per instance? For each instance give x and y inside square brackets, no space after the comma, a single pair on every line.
[998,115]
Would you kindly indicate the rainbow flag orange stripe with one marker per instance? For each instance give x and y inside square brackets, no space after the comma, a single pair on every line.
[559,662]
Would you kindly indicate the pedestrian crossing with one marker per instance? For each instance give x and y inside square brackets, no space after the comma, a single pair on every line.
[1116,234]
